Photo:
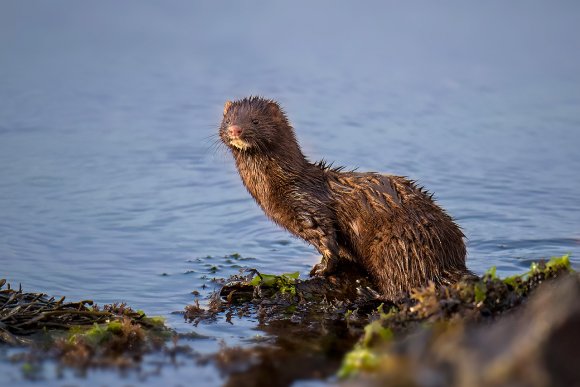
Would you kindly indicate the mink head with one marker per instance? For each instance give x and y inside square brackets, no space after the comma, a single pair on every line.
[255,124]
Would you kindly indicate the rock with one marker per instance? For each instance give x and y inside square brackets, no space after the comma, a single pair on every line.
[536,345]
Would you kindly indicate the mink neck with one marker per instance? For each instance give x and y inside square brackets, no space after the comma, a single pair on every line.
[281,163]
[269,175]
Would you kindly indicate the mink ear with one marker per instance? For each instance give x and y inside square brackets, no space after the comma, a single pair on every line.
[273,108]
[227,106]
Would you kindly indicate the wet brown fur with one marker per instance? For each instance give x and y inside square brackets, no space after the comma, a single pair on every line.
[386,223]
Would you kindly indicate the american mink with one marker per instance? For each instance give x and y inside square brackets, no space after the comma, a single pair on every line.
[386,223]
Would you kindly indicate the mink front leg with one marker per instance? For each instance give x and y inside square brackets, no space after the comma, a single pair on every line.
[328,247]
[321,234]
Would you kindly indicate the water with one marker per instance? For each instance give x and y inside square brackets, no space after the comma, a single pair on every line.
[110,188]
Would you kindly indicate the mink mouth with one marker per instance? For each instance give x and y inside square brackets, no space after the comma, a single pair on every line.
[235,142]
[239,143]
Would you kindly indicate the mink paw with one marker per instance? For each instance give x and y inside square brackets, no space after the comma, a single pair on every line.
[323,269]
[319,270]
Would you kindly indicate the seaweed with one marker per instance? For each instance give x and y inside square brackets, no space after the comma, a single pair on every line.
[120,342]
[284,283]
[22,313]
[79,334]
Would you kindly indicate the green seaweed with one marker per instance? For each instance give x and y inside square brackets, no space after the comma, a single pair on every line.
[538,271]
[376,331]
[479,292]
[362,357]
[491,273]
[98,334]
[358,360]
[284,283]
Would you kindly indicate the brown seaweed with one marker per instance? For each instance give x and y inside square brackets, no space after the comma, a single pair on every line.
[79,334]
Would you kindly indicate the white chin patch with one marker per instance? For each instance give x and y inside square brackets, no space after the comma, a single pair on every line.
[240,144]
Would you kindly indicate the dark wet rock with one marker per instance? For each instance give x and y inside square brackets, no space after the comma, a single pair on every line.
[537,345]
[308,325]
[312,323]
[310,302]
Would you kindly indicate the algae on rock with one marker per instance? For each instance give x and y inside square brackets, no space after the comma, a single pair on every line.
[472,333]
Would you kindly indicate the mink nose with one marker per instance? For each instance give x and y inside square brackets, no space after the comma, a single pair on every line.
[234,130]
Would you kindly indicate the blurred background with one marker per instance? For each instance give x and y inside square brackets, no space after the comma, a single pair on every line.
[112,188]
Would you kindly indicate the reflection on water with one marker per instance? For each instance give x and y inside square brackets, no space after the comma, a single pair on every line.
[108,176]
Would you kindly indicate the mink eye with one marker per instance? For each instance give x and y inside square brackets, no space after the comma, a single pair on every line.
[255,121]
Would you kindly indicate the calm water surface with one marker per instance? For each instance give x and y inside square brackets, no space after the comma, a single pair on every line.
[111,188]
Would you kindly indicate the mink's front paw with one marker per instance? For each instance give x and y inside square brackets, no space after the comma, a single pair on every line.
[325,268]
[319,270]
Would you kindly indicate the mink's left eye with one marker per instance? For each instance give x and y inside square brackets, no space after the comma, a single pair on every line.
[255,121]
